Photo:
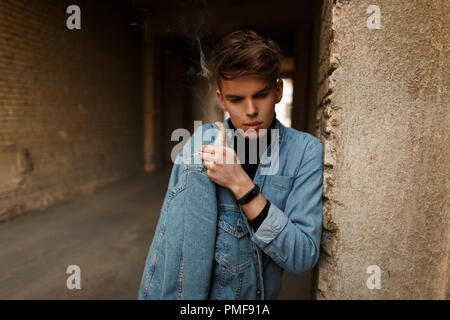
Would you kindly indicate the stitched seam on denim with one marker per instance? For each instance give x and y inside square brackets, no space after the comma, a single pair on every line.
[175,190]
[229,229]
[279,184]
[249,251]
[278,256]
[260,273]
[282,129]
[237,269]
[169,200]
[238,291]
[305,156]
[222,275]
[180,278]
[275,250]
[152,266]
[160,235]
[192,167]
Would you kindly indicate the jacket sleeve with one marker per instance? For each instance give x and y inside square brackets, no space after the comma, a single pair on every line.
[191,230]
[184,156]
[292,238]
[151,285]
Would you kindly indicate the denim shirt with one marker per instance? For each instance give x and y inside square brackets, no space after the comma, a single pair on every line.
[233,261]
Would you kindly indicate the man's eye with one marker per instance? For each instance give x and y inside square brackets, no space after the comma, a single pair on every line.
[259,96]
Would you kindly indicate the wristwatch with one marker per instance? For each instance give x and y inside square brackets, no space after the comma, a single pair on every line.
[249,195]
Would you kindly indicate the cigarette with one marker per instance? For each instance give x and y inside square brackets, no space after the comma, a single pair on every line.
[196,153]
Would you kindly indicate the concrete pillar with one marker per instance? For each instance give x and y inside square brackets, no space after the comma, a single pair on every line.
[384,124]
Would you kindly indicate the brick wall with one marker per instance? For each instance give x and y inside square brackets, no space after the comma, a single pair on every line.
[70,101]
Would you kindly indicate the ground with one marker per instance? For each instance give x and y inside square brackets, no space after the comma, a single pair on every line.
[106,233]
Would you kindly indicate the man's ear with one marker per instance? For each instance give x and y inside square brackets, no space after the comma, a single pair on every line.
[222,103]
[279,91]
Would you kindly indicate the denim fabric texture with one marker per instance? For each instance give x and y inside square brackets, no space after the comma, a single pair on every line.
[204,247]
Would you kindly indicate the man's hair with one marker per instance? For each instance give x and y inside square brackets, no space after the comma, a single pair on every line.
[242,53]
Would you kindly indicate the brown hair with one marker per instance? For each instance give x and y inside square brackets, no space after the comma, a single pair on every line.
[245,53]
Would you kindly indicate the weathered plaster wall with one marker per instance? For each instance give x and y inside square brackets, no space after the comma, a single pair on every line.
[383,118]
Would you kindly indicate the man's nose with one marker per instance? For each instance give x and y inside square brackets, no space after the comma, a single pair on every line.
[250,109]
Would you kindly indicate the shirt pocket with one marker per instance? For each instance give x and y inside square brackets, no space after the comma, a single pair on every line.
[280,182]
[233,248]
[277,188]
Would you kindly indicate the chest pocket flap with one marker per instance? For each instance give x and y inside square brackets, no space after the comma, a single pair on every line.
[232,223]
[281,182]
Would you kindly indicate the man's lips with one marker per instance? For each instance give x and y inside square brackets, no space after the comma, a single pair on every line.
[252,124]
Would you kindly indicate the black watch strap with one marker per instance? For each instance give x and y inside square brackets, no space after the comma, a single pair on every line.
[249,195]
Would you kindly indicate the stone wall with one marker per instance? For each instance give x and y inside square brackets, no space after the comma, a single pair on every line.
[383,119]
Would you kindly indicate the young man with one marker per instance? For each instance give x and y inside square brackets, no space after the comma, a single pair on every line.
[267,220]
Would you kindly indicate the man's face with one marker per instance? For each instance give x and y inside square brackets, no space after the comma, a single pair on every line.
[250,101]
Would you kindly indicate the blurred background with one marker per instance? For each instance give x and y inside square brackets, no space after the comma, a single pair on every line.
[86,121]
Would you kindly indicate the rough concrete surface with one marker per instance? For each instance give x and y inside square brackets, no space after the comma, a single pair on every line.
[384,122]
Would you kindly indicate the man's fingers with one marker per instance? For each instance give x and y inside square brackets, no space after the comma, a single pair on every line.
[218,154]
[207,148]
[208,163]
[207,157]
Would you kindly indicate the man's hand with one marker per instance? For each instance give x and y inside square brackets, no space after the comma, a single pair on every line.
[225,169]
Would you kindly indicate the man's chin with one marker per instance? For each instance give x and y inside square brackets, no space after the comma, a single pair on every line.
[251,133]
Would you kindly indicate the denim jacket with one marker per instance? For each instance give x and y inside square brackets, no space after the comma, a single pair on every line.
[218,255]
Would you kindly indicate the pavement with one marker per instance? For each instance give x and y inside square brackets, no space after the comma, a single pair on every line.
[106,233]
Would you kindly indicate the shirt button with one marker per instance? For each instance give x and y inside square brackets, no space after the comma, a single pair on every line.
[258,292]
